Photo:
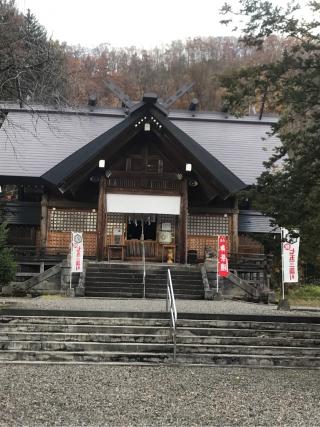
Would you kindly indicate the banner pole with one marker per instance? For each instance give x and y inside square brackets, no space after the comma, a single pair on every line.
[217,281]
[71,247]
[218,268]
[282,265]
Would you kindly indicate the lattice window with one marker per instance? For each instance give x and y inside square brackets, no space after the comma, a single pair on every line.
[72,220]
[200,243]
[207,225]
[115,220]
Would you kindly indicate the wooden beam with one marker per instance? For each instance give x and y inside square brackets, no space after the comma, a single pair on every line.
[183,223]
[143,191]
[44,221]
[65,204]
[101,217]
[204,210]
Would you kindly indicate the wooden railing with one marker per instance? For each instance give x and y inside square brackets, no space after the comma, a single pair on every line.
[253,268]
[144,183]
[134,249]
[22,252]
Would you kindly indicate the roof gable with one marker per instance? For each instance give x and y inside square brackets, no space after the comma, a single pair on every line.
[84,160]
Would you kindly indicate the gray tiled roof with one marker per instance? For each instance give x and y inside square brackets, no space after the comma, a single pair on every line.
[31,144]
[238,145]
[251,221]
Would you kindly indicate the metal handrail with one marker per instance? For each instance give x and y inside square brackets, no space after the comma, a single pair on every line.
[144,269]
[143,257]
[173,312]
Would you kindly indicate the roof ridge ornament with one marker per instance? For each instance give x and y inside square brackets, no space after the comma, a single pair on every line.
[180,92]
[127,104]
[148,98]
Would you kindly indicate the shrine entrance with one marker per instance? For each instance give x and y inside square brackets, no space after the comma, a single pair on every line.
[154,230]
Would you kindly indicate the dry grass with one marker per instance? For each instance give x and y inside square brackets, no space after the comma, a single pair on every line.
[306,295]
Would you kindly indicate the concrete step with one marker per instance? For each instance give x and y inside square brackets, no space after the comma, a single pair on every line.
[178,276]
[125,287]
[86,329]
[153,295]
[248,333]
[139,287]
[85,346]
[89,337]
[248,341]
[119,276]
[248,350]
[152,267]
[158,338]
[119,294]
[176,284]
[87,321]
[253,360]
[115,267]
[84,357]
[114,286]
[157,279]
[176,289]
[247,324]
[107,279]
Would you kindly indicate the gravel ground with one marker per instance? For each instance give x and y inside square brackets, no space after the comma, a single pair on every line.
[181,396]
[191,306]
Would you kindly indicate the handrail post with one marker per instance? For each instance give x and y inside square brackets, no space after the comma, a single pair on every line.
[174,346]
[143,258]
[144,269]
[167,298]
[173,313]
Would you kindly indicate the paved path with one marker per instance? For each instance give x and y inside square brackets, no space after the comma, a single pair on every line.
[157,396]
[191,306]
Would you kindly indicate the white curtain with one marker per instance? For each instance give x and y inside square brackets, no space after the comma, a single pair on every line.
[148,204]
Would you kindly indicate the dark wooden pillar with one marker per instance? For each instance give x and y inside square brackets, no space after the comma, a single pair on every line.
[44,221]
[101,217]
[183,223]
[235,227]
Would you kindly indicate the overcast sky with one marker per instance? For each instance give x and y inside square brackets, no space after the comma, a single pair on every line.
[141,23]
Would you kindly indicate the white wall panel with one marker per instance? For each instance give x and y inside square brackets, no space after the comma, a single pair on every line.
[138,203]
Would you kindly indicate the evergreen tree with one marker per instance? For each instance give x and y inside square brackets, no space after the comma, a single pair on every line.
[7,264]
[289,189]
[32,67]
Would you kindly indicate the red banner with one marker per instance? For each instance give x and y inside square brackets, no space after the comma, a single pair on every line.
[223,269]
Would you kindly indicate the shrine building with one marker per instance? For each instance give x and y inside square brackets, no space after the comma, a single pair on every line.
[143,172]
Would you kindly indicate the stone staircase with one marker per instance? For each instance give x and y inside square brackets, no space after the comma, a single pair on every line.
[129,339]
[125,281]
[113,280]
[144,338]
[186,281]
[256,341]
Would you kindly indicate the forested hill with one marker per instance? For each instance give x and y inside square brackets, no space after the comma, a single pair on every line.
[35,68]
[164,69]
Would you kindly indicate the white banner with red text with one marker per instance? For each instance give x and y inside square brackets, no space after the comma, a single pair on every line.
[290,254]
[223,268]
[76,252]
